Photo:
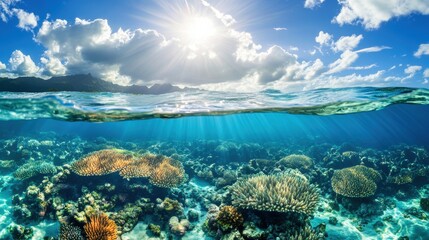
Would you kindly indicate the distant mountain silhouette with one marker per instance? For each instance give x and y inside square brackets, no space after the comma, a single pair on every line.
[79,83]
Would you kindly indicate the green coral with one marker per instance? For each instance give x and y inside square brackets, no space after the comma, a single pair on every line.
[277,193]
[155,229]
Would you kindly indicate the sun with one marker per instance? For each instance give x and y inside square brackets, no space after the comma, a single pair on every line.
[198,31]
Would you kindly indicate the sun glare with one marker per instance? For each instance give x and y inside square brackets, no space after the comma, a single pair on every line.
[198,30]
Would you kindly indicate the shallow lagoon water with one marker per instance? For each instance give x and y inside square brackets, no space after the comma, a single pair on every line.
[219,139]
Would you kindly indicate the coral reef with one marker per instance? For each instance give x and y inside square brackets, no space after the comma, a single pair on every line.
[278,193]
[34,168]
[168,174]
[102,162]
[229,217]
[100,227]
[357,182]
[178,227]
[71,232]
[297,161]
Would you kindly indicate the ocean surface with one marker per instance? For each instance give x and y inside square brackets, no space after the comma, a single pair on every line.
[363,151]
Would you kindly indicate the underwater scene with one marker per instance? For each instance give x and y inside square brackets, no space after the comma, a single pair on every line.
[348,163]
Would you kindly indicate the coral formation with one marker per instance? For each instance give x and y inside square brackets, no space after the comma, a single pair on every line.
[34,168]
[141,167]
[278,193]
[296,161]
[70,232]
[102,162]
[100,227]
[357,182]
[168,174]
[178,227]
[229,217]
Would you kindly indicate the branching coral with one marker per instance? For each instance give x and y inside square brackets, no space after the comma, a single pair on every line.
[100,227]
[31,169]
[296,161]
[357,181]
[102,162]
[277,193]
[229,217]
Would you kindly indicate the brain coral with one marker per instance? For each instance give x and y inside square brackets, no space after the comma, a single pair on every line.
[100,227]
[357,181]
[296,161]
[102,162]
[276,193]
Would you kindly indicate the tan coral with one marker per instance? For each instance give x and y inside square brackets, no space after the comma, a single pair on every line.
[138,168]
[357,181]
[276,193]
[102,162]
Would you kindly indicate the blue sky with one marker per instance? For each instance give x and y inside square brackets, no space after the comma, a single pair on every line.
[246,45]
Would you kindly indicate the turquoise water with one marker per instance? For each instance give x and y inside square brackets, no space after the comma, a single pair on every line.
[219,139]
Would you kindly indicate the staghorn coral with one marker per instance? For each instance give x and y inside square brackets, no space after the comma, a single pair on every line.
[229,217]
[100,227]
[276,193]
[168,174]
[32,169]
[296,161]
[357,181]
[102,162]
[70,232]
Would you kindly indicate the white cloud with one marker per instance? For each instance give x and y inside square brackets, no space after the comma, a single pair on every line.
[52,66]
[312,3]
[280,29]
[347,43]
[22,64]
[347,58]
[373,49]
[146,56]
[324,38]
[371,13]
[27,21]
[412,69]
[426,73]
[2,66]
[363,67]
[423,50]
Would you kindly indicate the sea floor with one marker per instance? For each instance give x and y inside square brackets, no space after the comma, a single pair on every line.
[34,205]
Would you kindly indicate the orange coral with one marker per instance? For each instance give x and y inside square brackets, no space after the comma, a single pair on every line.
[168,174]
[102,162]
[100,227]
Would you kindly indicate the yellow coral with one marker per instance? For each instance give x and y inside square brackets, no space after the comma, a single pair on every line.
[100,227]
[276,193]
[102,162]
[357,181]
